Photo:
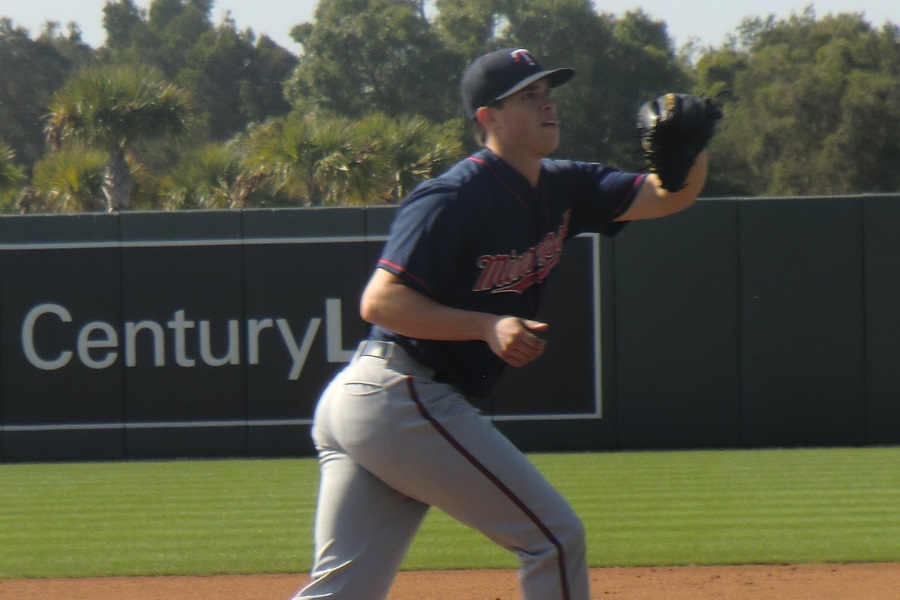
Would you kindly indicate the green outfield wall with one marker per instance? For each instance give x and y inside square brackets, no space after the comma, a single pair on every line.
[739,323]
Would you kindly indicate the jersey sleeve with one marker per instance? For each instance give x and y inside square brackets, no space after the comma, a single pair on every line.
[425,238]
[598,194]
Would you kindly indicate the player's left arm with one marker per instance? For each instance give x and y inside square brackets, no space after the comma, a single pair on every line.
[389,302]
[653,201]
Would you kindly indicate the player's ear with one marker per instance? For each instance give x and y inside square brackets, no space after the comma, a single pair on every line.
[485,117]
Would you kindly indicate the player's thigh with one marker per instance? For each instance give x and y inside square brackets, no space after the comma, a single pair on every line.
[506,497]
[454,458]
[357,511]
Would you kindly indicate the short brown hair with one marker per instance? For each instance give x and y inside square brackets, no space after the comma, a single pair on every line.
[478,131]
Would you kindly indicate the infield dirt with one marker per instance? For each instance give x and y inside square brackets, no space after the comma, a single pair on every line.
[880,581]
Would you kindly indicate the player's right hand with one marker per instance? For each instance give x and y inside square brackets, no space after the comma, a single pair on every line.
[513,340]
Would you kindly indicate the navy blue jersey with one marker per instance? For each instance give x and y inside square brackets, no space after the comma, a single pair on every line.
[480,237]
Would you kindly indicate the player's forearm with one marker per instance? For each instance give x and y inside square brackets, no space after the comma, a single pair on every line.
[653,201]
[391,304]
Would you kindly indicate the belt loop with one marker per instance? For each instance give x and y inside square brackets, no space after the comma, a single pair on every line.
[376,349]
[394,357]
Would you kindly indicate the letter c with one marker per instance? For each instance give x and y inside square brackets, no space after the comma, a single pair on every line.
[28,337]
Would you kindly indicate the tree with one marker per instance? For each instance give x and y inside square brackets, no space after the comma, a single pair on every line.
[311,158]
[409,150]
[809,103]
[235,78]
[205,178]
[466,28]
[238,80]
[30,70]
[178,25]
[213,70]
[70,180]
[128,35]
[364,56]
[11,175]
[261,90]
[320,159]
[160,36]
[860,155]
[113,109]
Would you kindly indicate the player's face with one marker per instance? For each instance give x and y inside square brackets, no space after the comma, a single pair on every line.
[528,120]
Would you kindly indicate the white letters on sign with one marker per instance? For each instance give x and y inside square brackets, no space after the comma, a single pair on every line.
[100,344]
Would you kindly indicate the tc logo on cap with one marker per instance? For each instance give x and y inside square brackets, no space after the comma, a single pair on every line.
[523,56]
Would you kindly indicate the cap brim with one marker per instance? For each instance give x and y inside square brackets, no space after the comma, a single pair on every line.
[556,78]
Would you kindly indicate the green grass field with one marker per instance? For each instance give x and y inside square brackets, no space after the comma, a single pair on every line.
[640,508]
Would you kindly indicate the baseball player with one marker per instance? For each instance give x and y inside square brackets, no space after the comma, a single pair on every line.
[452,303]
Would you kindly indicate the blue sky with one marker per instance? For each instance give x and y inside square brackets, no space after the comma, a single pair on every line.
[709,21]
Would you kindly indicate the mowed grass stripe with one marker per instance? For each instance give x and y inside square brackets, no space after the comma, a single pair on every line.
[155,517]
[749,506]
[640,508]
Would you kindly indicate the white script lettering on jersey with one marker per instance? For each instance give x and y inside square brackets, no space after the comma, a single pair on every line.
[514,272]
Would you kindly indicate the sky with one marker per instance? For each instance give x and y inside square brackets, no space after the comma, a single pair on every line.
[707,21]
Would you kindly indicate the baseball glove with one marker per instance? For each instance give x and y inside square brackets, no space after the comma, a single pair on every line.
[673,130]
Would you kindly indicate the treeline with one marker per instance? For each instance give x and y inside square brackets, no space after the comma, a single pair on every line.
[177,112]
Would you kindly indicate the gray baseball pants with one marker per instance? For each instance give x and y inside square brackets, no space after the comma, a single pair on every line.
[392,442]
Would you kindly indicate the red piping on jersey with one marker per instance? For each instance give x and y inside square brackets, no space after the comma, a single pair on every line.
[405,272]
[629,198]
[560,551]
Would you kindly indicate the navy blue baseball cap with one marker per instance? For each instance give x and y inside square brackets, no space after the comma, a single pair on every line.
[501,74]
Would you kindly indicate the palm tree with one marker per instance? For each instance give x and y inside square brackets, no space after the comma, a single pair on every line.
[70,180]
[204,178]
[313,157]
[411,149]
[11,175]
[112,109]
[331,160]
